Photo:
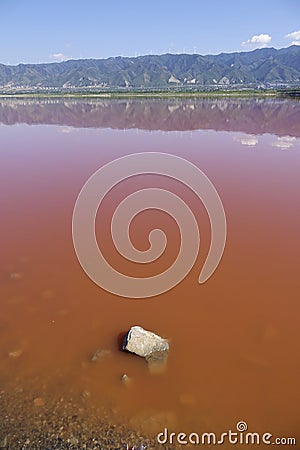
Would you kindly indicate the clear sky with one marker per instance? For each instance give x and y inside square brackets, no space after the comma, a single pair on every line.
[53,30]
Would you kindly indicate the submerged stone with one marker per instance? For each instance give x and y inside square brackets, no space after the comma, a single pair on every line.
[100,354]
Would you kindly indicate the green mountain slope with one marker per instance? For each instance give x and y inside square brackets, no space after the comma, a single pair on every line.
[266,65]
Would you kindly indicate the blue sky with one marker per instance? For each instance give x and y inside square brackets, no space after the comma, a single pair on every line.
[51,30]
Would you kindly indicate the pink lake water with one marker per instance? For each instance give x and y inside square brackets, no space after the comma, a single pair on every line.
[234,340]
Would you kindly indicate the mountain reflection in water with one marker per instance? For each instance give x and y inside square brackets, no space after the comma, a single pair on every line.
[276,116]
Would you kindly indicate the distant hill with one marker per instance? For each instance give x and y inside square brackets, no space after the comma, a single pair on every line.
[258,67]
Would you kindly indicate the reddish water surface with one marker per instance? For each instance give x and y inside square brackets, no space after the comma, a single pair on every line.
[234,341]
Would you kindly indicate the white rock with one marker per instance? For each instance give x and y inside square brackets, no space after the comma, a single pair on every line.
[145,343]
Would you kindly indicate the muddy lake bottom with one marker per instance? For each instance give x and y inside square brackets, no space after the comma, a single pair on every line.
[40,423]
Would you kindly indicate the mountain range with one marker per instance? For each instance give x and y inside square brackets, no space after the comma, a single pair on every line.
[257,67]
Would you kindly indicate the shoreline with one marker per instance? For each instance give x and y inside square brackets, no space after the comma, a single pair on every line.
[154,94]
[31,422]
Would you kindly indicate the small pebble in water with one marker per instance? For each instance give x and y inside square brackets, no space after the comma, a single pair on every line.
[16,275]
[15,353]
[125,379]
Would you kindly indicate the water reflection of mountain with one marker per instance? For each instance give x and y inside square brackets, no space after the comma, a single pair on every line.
[255,116]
